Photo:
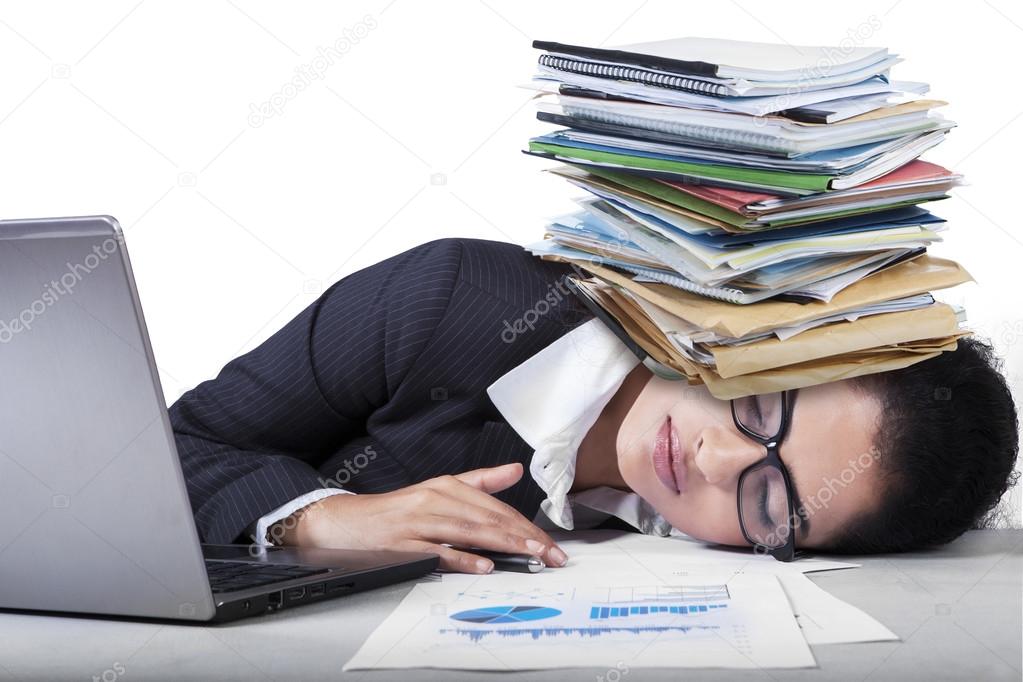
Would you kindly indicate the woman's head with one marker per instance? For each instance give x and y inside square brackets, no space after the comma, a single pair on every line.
[880,463]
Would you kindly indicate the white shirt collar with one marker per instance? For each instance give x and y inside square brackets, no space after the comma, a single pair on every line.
[552,400]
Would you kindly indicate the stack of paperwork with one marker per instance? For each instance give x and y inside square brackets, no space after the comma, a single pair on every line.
[753,215]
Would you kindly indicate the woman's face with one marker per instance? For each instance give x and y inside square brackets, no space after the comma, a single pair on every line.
[828,451]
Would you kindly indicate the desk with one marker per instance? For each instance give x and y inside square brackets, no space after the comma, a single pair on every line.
[958,611]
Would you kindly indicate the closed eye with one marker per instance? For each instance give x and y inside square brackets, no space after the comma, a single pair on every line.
[765,517]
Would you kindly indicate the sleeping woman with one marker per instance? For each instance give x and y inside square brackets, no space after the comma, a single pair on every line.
[458,396]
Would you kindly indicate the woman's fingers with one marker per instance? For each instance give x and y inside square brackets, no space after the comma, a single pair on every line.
[492,479]
[467,531]
[461,522]
[434,513]
[452,559]
[502,514]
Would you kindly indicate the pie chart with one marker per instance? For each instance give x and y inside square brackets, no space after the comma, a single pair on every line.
[506,614]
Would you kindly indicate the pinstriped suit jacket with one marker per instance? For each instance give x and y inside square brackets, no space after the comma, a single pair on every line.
[378,384]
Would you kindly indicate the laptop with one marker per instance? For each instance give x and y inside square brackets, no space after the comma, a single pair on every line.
[94,514]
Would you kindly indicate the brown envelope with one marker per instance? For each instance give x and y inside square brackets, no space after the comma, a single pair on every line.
[813,373]
[793,376]
[923,274]
[799,374]
[838,338]
[806,373]
[895,110]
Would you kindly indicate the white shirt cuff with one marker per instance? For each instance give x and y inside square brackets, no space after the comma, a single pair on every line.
[286,510]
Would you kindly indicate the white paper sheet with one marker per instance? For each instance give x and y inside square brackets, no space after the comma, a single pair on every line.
[599,559]
[824,619]
[509,621]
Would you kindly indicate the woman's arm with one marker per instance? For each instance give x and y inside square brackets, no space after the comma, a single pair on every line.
[250,439]
[439,515]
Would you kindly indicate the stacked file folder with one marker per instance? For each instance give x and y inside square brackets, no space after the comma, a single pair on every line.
[753,218]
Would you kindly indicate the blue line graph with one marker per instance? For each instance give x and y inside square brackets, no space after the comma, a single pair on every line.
[688,594]
[602,630]
[610,612]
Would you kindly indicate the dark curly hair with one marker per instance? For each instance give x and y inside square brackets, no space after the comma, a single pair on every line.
[948,440]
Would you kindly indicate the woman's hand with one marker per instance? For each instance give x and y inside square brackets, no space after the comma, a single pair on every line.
[458,510]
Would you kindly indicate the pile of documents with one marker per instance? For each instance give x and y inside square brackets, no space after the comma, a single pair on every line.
[753,216]
[624,597]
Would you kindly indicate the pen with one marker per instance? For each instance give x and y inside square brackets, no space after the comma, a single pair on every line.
[521,563]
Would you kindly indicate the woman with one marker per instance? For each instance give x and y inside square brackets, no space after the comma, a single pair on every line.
[438,386]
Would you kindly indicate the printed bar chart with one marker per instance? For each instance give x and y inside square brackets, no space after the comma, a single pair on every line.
[623,611]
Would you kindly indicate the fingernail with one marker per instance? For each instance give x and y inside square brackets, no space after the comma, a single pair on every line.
[484,565]
[534,546]
[559,556]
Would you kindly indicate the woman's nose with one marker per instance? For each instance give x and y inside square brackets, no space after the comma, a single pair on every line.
[722,454]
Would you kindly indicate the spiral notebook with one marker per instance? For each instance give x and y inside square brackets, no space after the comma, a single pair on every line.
[728,60]
[634,74]
[554,63]
[721,293]
[772,136]
[551,250]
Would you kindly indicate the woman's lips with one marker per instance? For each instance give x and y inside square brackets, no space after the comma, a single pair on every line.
[669,463]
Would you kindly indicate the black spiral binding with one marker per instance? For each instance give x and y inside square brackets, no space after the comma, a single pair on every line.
[635,75]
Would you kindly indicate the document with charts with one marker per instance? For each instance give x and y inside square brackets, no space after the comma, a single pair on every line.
[510,621]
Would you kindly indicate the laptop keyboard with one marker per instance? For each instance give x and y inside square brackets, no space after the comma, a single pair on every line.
[229,576]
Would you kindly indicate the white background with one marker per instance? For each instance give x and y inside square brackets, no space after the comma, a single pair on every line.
[143,110]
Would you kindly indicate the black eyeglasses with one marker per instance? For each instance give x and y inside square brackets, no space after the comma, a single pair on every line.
[767,510]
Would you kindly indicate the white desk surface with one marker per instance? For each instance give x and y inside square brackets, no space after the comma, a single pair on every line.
[958,611]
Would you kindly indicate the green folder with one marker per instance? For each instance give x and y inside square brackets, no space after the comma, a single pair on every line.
[669,194]
[752,176]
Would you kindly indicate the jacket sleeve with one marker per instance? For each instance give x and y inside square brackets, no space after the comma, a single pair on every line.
[250,439]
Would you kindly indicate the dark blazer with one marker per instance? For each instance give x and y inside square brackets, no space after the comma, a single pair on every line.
[378,384]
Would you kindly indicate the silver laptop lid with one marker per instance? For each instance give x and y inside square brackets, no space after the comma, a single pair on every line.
[94,515]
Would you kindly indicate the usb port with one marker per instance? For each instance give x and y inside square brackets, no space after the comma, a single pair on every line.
[317,590]
[340,587]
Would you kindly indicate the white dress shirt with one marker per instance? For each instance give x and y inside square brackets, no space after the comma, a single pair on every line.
[551,400]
